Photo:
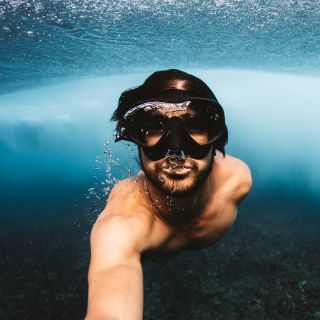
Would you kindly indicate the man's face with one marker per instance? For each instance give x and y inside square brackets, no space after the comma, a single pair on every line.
[177,176]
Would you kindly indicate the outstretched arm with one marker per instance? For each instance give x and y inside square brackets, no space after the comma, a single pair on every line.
[115,274]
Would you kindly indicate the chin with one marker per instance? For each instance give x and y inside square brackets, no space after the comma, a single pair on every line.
[179,188]
[177,185]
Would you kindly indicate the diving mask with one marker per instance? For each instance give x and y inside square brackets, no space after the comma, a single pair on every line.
[163,128]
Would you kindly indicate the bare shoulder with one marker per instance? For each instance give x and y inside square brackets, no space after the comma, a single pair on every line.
[234,176]
[124,223]
[126,198]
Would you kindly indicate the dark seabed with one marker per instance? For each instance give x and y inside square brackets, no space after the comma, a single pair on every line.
[267,267]
[63,65]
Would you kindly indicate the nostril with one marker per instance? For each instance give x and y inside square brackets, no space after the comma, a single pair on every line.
[174,155]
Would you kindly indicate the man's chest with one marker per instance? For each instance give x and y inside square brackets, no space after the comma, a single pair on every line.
[199,232]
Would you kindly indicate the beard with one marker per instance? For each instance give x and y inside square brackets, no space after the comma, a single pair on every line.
[177,185]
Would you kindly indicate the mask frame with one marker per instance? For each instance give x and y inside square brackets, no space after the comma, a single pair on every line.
[175,139]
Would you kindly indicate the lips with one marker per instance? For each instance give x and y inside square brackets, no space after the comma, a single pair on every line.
[179,170]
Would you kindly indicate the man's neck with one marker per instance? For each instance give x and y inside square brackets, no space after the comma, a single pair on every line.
[176,209]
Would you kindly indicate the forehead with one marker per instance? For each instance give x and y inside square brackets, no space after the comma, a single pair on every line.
[165,112]
[157,107]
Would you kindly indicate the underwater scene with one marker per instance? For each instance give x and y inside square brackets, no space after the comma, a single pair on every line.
[63,66]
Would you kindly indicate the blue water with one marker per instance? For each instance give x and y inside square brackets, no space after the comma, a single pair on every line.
[59,131]
[46,41]
[63,65]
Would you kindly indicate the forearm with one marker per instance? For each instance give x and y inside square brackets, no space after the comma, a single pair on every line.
[116,293]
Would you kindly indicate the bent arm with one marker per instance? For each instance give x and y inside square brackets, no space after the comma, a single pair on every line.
[115,274]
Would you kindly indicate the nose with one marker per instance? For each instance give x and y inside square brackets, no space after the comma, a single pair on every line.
[175,135]
[175,155]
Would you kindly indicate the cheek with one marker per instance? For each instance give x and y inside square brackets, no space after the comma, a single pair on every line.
[148,164]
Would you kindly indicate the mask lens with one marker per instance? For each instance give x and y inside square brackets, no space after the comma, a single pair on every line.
[147,128]
[206,124]
[153,130]
[197,129]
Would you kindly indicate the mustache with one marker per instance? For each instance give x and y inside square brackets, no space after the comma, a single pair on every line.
[175,162]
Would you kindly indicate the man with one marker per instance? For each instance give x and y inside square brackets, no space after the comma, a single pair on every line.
[185,197]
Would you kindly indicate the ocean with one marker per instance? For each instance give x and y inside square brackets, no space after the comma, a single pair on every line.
[63,65]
